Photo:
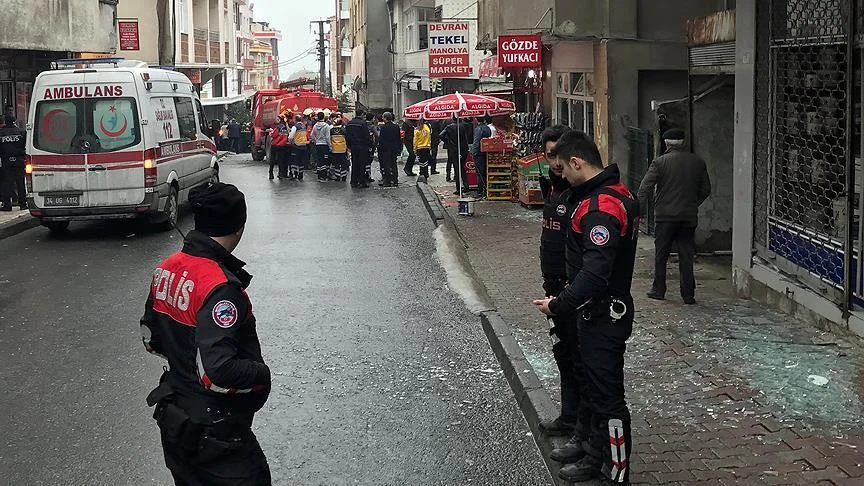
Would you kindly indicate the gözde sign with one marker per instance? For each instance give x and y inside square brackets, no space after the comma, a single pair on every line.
[448,50]
[517,51]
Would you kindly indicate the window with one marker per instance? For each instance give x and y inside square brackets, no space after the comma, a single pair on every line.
[202,122]
[575,101]
[186,118]
[417,30]
[184,16]
[86,125]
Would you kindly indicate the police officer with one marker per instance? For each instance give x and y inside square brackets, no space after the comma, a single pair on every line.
[360,139]
[200,319]
[12,151]
[601,251]
[553,264]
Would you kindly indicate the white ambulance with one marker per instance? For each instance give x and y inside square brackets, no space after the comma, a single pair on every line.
[109,141]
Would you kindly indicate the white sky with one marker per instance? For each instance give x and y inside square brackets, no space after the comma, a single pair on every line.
[292,17]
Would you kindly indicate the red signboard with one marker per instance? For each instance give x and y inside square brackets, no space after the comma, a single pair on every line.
[489,67]
[448,50]
[518,51]
[129,38]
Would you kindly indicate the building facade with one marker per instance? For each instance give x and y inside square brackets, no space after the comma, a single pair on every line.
[797,158]
[41,31]
[370,36]
[262,33]
[341,77]
[261,75]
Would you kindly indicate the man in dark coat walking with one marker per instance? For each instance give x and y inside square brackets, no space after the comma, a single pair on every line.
[682,185]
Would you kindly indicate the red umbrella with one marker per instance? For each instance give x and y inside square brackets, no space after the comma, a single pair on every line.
[459,105]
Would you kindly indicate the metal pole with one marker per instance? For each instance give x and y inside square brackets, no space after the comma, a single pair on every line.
[322,59]
[848,246]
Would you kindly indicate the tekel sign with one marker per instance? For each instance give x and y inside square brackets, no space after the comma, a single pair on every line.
[129,40]
[448,50]
[519,51]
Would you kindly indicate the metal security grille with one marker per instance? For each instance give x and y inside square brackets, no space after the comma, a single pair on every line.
[802,203]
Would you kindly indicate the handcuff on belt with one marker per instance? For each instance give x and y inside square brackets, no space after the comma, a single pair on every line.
[617,310]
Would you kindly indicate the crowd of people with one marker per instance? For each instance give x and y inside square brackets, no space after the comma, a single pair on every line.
[344,149]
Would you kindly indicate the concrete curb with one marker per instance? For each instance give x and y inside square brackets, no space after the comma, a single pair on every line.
[17,225]
[533,399]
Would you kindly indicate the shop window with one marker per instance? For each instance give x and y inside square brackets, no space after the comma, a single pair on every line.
[574,101]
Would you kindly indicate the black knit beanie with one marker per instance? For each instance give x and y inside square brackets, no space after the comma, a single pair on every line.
[219,209]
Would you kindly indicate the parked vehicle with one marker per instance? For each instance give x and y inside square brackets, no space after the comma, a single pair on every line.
[111,141]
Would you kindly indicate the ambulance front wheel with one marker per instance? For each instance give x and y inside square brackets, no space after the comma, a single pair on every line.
[56,226]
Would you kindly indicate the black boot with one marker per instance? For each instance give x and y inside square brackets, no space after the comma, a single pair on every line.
[571,452]
[555,427]
[585,469]
[271,176]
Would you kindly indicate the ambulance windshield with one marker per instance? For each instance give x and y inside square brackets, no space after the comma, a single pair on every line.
[86,125]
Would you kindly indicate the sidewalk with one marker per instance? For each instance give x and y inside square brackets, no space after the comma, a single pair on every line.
[724,392]
[15,221]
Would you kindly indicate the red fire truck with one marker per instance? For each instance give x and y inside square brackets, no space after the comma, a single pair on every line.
[267,104]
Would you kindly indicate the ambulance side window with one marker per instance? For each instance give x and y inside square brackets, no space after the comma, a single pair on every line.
[202,122]
[186,118]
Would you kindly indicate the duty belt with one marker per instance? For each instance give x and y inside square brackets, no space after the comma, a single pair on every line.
[611,306]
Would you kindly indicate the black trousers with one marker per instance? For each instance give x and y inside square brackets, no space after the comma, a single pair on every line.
[433,161]
[322,161]
[387,159]
[574,407]
[480,167]
[424,156]
[456,162]
[682,233]
[602,343]
[338,165]
[234,459]
[301,156]
[412,157]
[12,183]
[359,160]
[279,156]
[235,144]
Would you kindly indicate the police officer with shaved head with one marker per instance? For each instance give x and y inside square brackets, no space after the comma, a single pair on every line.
[199,318]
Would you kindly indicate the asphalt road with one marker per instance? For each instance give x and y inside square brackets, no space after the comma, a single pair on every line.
[381,375]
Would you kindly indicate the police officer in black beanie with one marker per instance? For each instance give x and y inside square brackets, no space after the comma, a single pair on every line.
[199,318]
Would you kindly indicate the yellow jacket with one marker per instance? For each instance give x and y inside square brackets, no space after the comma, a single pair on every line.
[423,137]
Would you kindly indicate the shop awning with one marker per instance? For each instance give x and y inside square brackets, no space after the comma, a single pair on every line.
[226,100]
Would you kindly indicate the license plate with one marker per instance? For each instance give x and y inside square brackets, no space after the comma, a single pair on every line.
[64,200]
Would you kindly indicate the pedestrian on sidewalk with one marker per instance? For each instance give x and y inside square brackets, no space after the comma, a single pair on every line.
[320,140]
[680,183]
[574,418]
[389,146]
[484,130]
[601,252]
[199,318]
[408,141]
[457,137]
[12,151]
[338,152]
[423,148]
[436,126]
[359,137]
[300,139]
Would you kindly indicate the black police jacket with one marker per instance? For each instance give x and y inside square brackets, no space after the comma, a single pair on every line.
[358,134]
[557,209]
[12,143]
[200,319]
[389,139]
[601,244]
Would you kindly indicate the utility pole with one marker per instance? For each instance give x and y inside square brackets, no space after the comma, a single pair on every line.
[322,59]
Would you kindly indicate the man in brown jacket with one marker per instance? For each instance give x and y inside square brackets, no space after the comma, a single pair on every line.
[682,185]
